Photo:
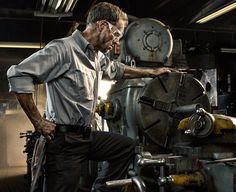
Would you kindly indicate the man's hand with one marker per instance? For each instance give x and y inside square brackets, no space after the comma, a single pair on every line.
[159,71]
[139,72]
[41,125]
[46,128]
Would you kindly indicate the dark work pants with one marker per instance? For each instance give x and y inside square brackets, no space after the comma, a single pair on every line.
[66,152]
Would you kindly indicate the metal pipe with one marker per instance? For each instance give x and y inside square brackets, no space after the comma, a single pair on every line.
[118,183]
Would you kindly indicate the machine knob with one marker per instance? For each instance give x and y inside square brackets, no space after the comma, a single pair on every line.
[200,124]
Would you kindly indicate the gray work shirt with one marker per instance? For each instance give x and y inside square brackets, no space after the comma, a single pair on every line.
[71,75]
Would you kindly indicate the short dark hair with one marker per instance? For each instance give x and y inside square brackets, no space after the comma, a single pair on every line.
[105,11]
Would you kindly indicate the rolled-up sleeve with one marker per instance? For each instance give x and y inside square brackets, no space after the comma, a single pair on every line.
[41,67]
[112,69]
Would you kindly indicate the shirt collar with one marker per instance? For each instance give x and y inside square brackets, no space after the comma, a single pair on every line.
[82,42]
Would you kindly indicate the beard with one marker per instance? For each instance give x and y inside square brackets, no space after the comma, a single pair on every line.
[105,46]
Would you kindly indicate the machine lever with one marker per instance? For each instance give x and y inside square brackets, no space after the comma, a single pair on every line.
[156,104]
[169,107]
[137,181]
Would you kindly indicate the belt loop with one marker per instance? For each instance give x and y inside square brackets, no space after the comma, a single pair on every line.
[87,131]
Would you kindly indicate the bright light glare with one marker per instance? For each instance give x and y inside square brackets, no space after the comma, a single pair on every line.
[217,13]
[104,87]
[30,45]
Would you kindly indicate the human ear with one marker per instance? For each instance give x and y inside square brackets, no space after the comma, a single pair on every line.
[101,25]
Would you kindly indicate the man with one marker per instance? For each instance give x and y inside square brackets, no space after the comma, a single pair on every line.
[71,68]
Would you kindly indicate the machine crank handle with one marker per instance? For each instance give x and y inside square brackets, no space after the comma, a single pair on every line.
[153,162]
[137,181]
[118,183]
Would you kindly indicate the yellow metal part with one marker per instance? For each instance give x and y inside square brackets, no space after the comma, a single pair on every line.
[108,108]
[192,179]
[222,122]
[183,124]
[99,109]
[104,108]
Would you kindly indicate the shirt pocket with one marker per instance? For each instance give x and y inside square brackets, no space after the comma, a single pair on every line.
[85,82]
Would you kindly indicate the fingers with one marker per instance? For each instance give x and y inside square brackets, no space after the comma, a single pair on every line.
[49,132]
[167,69]
[49,136]
[47,129]
[174,70]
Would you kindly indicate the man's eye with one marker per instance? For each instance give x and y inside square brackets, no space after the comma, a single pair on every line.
[116,34]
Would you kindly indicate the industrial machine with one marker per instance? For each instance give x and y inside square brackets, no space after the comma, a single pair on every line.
[183,145]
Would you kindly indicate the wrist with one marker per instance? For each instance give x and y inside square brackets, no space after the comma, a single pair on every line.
[38,123]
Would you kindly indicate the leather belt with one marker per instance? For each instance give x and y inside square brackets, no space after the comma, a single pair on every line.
[84,130]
